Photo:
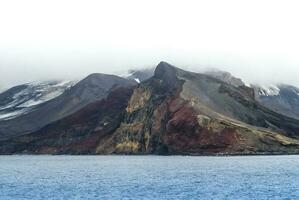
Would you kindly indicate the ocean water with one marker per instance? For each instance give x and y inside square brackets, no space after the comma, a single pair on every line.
[149,177]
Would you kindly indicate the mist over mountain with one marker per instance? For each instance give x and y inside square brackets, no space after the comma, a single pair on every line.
[250,74]
[260,48]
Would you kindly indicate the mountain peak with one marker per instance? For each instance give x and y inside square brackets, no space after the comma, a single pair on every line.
[166,73]
[164,69]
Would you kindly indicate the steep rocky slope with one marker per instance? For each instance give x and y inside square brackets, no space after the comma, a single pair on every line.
[93,88]
[174,112]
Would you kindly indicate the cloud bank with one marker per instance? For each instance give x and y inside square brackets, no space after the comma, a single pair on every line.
[68,39]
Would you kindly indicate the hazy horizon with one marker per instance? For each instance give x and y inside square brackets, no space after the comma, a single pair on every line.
[40,40]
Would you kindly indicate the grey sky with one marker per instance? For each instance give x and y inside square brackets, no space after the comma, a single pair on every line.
[255,40]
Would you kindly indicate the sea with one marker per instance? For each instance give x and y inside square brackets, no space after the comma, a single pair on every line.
[148,177]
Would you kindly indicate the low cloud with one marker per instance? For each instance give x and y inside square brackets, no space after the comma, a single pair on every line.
[114,36]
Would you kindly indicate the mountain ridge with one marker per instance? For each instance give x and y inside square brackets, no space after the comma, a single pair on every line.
[173,112]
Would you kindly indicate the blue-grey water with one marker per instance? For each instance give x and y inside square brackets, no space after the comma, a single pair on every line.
[149,177]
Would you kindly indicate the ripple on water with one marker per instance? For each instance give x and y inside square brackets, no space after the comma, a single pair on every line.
[149,177]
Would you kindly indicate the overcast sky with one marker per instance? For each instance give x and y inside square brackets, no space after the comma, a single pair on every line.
[255,40]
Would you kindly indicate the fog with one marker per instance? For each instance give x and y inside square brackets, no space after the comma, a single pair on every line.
[60,39]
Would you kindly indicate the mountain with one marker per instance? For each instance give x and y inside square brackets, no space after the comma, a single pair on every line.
[93,88]
[173,112]
[24,98]
[282,98]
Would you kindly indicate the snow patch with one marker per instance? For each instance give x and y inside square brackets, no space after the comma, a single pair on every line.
[11,115]
[271,90]
[34,94]
[126,75]
[137,80]
[41,98]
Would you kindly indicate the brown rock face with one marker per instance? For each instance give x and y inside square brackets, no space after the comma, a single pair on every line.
[184,134]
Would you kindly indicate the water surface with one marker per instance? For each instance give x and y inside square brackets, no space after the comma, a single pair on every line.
[149,177]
